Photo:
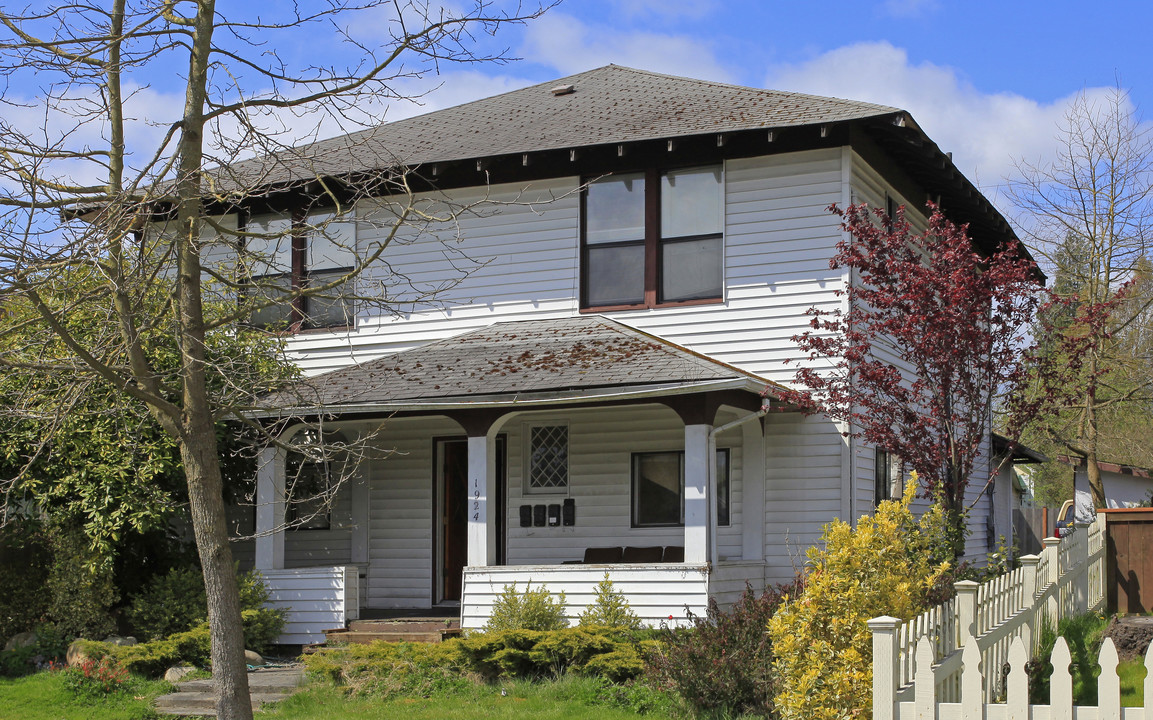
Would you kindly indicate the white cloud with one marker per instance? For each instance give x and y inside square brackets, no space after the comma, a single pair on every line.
[569,45]
[985,132]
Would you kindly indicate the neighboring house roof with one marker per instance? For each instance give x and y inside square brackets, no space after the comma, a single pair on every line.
[1018,453]
[577,358]
[1133,470]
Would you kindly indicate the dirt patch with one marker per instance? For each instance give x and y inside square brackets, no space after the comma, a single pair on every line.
[1131,635]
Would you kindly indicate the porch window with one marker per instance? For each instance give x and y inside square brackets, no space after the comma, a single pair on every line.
[282,257]
[658,489]
[548,458]
[653,238]
[312,478]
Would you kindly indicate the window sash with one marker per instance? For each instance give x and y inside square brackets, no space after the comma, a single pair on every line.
[643,515]
[653,239]
[548,450]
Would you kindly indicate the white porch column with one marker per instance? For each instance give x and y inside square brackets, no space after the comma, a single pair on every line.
[270,509]
[482,540]
[699,466]
[752,491]
[360,517]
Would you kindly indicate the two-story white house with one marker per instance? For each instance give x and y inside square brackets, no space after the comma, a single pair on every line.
[578,374]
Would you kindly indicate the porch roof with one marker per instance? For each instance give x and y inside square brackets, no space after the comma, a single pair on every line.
[564,360]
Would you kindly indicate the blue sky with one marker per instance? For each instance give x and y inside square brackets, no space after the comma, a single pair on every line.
[988,81]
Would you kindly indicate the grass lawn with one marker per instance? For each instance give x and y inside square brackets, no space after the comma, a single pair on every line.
[569,698]
[1083,634]
[45,696]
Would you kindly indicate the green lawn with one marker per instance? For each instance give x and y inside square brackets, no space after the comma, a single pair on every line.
[44,696]
[569,698]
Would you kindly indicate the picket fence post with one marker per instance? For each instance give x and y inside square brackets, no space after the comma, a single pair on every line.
[885,666]
[966,599]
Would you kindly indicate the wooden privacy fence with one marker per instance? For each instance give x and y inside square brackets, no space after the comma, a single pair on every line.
[1066,579]
[976,676]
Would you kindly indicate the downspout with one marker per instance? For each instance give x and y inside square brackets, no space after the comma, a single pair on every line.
[714,555]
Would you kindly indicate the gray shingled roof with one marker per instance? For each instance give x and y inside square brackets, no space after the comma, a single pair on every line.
[612,104]
[515,359]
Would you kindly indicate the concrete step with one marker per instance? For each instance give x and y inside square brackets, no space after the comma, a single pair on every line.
[195,697]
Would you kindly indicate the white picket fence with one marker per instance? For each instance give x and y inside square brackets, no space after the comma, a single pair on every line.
[1066,579]
[973,704]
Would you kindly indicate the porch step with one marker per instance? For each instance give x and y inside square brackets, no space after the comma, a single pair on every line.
[195,697]
[421,630]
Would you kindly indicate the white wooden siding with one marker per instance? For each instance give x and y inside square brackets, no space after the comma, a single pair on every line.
[729,579]
[316,599]
[802,488]
[869,187]
[400,513]
[601,444]
[656,593]
[519,261]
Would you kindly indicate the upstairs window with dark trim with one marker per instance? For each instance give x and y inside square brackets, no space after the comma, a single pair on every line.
[284,256]
[653,238]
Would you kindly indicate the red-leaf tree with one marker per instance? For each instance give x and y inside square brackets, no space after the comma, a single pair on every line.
[932,336]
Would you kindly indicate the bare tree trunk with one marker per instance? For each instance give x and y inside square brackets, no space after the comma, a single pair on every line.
[229,671]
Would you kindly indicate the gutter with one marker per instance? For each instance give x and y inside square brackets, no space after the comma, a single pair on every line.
[515,401]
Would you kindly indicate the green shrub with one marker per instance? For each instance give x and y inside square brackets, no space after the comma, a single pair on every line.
[176,602]
[80,587]
[530,610]
[1083,634]
[822,647]
[24,552]
[49,646]
[153,658]
[169,603]
[721,665]
[609,609]
[606,652]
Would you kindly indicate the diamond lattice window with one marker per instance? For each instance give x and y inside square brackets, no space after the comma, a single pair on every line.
[548,457]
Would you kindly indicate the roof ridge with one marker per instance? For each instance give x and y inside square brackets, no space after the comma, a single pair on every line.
[735,86]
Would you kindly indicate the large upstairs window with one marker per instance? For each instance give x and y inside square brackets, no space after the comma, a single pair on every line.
[653,238]
[286,258]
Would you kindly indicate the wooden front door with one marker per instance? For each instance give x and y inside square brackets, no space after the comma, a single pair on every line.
[452,514]
[453,455]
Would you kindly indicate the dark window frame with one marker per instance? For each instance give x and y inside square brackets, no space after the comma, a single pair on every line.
[301,277]
[887,467]
[728,489]
[654,244]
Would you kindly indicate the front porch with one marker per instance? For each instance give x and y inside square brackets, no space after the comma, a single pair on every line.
[464,495]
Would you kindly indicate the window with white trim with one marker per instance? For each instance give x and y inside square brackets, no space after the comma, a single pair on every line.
[658,489]
[547,458]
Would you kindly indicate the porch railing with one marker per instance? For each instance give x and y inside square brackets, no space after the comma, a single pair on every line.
[657,593]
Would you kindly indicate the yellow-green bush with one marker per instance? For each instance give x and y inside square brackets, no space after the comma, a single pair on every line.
[821,644]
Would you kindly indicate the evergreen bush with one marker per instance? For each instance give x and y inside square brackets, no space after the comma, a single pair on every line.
[528,610]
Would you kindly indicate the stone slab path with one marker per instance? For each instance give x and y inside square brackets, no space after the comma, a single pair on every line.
[265,685]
